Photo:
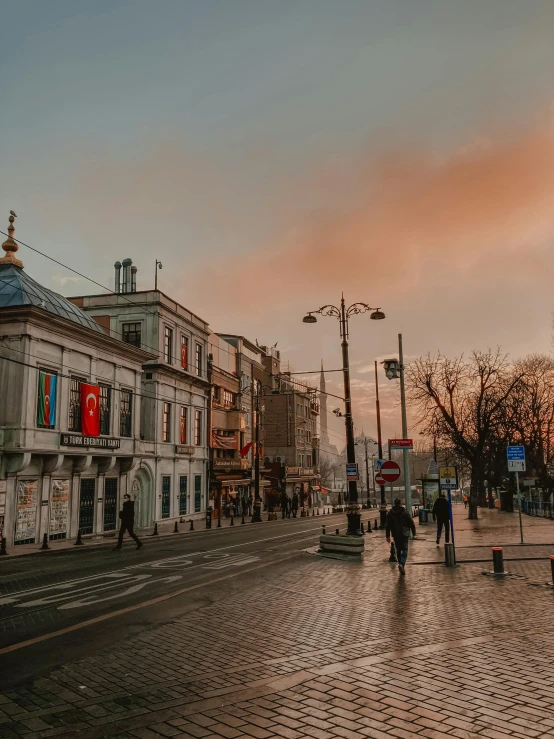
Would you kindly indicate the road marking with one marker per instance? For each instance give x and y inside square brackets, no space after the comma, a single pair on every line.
[136,606]
[115,573]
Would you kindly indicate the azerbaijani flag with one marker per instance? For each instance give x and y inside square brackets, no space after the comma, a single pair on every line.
[47,386]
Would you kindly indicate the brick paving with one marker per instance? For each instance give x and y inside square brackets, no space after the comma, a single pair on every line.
[322,648]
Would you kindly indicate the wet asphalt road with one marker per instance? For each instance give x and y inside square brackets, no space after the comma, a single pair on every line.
[78,600]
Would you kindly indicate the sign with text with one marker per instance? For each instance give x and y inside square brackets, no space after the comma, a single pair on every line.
[516,458]
[448,478]
[401,444]
[100,442]
[352,471]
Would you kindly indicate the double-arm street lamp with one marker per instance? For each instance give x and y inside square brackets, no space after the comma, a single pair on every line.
[343,314]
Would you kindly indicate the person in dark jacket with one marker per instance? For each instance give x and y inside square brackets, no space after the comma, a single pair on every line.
[284,501]
[127,516]
[399,524]
[441,515]
[294,504]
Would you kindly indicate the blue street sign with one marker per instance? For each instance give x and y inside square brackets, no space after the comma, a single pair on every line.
[516,453]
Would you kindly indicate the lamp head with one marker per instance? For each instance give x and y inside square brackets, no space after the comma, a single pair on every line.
[392,368]
[377,315]
[309,318]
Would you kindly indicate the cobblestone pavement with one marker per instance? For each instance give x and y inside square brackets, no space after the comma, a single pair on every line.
[321,648]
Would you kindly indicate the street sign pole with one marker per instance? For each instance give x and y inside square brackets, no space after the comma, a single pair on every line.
[519,506]
[451,524]
[405,452]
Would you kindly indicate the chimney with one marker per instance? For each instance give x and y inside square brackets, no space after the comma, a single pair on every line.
[117,266]
[126,285]
[134,271]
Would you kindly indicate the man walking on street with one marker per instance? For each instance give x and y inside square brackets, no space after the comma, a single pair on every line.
[441,514]
[400,524]
[127,516]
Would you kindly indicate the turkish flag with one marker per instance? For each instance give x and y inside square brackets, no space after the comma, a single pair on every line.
[90,410]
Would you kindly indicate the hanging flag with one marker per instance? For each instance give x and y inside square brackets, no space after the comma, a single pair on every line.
[184,356]
[244,451]
[47,386]
[90,410]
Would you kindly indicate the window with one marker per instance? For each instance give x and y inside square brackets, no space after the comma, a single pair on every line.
[131,333]
[228,399]
[198,428]
[166,427]
[183,426]
[105,409]
[309,460]
[125,413]
[184,352]
[168,345]
[197,492]
[75,405]
[46,400]
[183,495]
[199,360]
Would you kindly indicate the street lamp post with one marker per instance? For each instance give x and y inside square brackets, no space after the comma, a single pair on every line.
[343,314]
[364,442]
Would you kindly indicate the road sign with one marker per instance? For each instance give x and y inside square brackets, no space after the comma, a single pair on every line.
[379,479]
[379,463]
[401,444]
[390,471]
[448,478]
[352,471]
[516,458]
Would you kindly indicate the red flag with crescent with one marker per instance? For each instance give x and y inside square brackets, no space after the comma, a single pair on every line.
[90,410]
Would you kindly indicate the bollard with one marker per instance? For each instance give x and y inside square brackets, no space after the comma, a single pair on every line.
[219,522]
[323,529]
[191,527]
[362,528]
[232,521]
[176,528]
[243,521]
[498,561]
[313,511]
[78,540]
[551,565]
[45,542]
[3,545]
[375,527]
[449,555]
[392,554]
[318,511]
[337,532]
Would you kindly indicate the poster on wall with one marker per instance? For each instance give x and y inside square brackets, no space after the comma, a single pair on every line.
[59,508]
[26,523]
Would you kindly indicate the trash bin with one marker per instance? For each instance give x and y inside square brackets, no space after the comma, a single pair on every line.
[209,517]
[423,515]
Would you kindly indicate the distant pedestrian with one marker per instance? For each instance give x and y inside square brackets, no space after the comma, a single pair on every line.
[284,500]
[441,514]
[465,501]
[250,505]
[127,516]
[289,506]
[399,524]
[294,505]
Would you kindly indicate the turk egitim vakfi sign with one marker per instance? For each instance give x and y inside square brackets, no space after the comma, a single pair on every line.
[100,442]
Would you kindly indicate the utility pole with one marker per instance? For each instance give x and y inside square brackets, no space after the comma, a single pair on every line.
[256,512]
[383,506]
[405,452]
[366,469]
[156,268]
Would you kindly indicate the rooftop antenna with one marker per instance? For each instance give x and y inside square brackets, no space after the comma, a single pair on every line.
[158,266]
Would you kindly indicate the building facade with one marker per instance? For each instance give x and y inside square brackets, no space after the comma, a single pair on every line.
[54,479]
[173,482]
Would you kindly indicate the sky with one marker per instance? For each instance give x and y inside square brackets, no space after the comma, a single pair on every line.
[275,153]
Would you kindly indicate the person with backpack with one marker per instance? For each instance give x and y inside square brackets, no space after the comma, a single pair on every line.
[399,525]
[441,514]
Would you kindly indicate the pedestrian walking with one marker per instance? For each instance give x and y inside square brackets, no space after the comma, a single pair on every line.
[127,517]
[294,505]
[289,506]
[284,500]
[441,514]
[250,505]
[399,524]
[465,501]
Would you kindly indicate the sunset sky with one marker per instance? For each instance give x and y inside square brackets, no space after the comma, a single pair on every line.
[273,153]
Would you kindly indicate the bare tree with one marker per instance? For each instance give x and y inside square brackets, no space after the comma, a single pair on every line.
[462,402]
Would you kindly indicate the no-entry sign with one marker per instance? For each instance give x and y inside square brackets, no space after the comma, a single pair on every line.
[390,471]
[379,479]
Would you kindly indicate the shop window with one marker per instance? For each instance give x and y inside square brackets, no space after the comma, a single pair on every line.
[166,496]
[197,493]
[183,482]
[126,413]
